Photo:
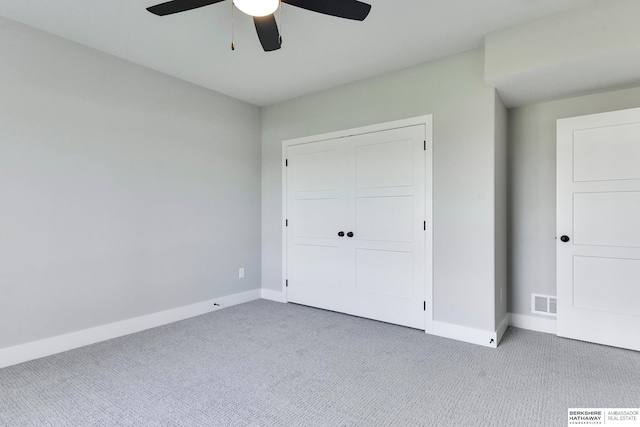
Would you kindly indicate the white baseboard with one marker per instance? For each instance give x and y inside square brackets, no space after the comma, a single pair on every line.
[463,333]
[480,337]
[272,295]
[533,323]
[46,347]
[502,328]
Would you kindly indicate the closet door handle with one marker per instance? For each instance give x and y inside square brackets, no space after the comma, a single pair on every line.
[350,234]
[341,234]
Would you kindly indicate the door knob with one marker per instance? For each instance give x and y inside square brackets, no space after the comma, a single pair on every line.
[565,238]
[341,234]
[350,234]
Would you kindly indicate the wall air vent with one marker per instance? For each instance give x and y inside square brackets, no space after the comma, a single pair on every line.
[544,304]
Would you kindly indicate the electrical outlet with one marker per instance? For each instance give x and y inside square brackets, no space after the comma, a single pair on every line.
[241,273]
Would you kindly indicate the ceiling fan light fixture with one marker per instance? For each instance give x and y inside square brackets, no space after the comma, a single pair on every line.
[257,7]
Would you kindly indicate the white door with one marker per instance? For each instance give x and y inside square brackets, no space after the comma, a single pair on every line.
[598,228]
[356,211]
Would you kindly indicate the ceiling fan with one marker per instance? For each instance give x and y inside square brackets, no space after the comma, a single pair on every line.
[262,13]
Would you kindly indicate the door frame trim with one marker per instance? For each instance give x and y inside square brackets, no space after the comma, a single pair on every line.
[427,121]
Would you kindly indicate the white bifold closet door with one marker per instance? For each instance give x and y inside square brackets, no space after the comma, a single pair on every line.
[356,225]
[598,249]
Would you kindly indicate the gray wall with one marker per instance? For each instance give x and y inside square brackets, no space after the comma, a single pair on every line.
[124,191]
[463,107]
[589,48]
[532,189]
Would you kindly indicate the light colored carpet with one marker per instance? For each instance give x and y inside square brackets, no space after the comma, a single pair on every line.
[270,364]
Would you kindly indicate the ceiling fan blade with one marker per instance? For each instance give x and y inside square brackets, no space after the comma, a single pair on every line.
[349,9]
[176,6]
[267,32]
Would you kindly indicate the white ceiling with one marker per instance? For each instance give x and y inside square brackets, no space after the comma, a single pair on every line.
[318,51]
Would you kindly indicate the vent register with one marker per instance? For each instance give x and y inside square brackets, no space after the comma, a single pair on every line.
[544,304]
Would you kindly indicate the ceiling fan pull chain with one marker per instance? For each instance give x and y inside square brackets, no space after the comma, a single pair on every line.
[279,22]
[280,16]
[233,45]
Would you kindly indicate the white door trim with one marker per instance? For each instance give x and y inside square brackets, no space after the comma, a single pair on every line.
[427,121]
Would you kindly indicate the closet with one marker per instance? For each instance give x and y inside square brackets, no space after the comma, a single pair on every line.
[358,224]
